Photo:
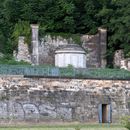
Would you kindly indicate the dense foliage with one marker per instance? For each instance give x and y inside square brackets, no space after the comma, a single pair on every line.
[66,16]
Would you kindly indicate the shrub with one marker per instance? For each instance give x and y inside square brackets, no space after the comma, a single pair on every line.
[8,59]
[128,125]
[126,121]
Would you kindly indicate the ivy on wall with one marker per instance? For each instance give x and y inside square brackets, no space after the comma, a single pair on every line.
[22,28]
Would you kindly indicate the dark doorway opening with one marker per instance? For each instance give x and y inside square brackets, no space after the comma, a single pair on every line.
[104,113]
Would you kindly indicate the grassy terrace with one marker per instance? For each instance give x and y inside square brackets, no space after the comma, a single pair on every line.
[65,127]
[70,72]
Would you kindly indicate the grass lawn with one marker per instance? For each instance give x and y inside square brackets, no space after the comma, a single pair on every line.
[65,127]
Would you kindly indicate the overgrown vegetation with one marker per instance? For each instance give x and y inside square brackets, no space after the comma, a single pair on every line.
[66,16]
[22,28]
[125,121]
[70,72]
[68,36]
[8,59]
[128,126]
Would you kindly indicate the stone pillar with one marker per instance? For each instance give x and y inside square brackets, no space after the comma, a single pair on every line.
[35,44]
[20,48]
[118,56]
[103,46]
[123,64]
[128,63]
[23,51]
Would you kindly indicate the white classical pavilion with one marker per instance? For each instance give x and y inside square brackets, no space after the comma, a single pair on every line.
[71,54]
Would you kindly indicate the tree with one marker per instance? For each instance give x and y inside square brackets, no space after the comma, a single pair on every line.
[69,16]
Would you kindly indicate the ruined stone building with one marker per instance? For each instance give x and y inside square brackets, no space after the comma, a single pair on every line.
[43,48]
[27,98]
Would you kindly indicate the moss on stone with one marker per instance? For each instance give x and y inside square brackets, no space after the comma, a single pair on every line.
[76,38]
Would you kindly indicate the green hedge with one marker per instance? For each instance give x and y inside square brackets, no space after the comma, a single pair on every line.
[50,71]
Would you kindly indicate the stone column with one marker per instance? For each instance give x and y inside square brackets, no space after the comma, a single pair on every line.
[103,45]
[118,56]
[35,44]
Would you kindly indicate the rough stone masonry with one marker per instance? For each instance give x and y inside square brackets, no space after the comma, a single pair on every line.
[51,99]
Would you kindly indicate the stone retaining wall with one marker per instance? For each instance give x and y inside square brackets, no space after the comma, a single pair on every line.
[44,99]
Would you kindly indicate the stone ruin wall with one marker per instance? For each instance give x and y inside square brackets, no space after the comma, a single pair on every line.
[47,46]
[22,53]
[51,99]
[94,45]
[120,61]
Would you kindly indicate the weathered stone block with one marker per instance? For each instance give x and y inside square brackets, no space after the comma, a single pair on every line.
[15,111]
[64,113]
[3,110]
[31,112]
[47,111]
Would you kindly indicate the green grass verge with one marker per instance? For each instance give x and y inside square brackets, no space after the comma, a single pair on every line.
[65,127]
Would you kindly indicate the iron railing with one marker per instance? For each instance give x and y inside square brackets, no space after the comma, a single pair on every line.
[70,72]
